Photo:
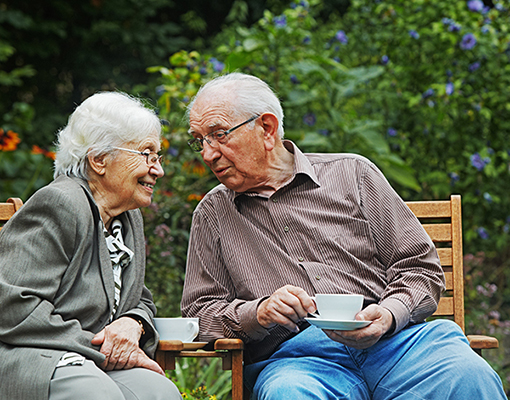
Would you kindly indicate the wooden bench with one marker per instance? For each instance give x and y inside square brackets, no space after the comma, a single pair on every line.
[8,209]
[442,222]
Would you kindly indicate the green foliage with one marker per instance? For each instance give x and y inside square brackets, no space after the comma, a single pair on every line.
[196,378]
[441,101]
[22,171]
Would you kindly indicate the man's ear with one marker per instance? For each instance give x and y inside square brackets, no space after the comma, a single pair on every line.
[97,163]
[270,125]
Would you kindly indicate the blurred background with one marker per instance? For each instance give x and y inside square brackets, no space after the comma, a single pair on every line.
[420,87]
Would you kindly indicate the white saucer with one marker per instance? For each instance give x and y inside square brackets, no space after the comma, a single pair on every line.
[338,325]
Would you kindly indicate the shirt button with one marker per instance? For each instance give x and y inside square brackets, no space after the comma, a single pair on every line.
[286,229]
[301,259]
[318,277]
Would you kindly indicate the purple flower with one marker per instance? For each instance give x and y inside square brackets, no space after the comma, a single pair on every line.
[475,5]
[478,162]
[454,177]
[487,197]
[341,37]
[309,119]
[392,132]
[482,232]
[485,29]
[324,132]
[217,65]
[449,88]
[428,93]
[202,70]
[173,151]
[307,40]
[280,21]
[454,27]
[473,67]
[494,314]
[160,90]
[414,34]
[468,41]
[294,79]
[499,7]
[161,230]
[385,59]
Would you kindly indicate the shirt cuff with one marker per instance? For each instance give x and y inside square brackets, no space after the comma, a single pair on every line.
[400,313]
[249,322]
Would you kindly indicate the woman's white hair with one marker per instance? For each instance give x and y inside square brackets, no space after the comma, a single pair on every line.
[248,96]
[103,121]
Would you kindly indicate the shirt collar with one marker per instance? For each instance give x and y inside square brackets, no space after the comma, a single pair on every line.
[302,166]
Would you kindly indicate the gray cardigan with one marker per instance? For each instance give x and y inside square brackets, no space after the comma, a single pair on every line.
[57,288]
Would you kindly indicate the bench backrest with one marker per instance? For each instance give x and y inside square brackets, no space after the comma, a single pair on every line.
[8,209]
[443,222]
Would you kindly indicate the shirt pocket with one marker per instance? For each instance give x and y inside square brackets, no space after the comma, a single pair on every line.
[346,242]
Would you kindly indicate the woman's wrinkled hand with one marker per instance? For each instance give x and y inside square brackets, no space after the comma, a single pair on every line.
[119,343]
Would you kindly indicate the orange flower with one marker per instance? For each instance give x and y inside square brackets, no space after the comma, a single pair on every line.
[196,197]
[195,167]
[9,141]
[46,153]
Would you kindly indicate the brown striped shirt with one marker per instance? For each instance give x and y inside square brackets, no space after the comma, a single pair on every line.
[337,227]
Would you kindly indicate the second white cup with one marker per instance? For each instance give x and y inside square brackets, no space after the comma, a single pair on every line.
[183,329]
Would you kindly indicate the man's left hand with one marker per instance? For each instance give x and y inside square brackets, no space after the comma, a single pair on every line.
[363,338]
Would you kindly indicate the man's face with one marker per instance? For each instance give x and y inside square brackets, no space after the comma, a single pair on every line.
[240,163]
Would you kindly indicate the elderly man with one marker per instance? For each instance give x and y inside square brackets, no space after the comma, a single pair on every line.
[283,226]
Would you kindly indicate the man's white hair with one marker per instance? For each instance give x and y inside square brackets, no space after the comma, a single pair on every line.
[247,95]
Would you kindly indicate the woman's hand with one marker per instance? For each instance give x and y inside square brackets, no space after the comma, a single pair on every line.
[119,343]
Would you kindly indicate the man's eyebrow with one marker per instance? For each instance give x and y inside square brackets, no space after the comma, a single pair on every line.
[211,126]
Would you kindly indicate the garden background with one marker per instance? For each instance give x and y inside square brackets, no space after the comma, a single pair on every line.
[421,87]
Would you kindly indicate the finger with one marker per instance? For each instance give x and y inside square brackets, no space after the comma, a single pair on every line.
[306,302]
[98,339]
[146,362]
[273,312]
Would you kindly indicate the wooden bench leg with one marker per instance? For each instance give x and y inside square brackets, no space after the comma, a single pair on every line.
[237,375]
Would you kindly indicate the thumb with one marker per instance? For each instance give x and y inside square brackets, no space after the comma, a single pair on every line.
[98,339]
[368,314]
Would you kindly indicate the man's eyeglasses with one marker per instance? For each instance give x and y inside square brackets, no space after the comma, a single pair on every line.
[219,136]
[151,158]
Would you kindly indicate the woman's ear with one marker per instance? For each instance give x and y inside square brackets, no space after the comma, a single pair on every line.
[97,163]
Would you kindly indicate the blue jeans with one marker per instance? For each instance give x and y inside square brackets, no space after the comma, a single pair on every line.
[427,361]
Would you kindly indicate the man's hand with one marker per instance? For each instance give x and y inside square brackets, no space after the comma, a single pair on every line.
[363,338]
[285,307]
[119,343]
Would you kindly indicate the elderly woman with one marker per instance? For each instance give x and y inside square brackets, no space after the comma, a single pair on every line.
[76,318]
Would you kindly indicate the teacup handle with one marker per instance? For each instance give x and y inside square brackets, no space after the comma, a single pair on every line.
[193,328]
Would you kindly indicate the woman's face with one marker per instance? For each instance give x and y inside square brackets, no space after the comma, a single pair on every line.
[128,182]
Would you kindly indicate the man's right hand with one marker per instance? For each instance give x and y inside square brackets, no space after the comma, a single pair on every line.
[285,307]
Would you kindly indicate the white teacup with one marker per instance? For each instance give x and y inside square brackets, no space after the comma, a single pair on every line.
[338,307]
[183,329]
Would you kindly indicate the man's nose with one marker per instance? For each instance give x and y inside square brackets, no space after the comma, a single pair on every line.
[210,153]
